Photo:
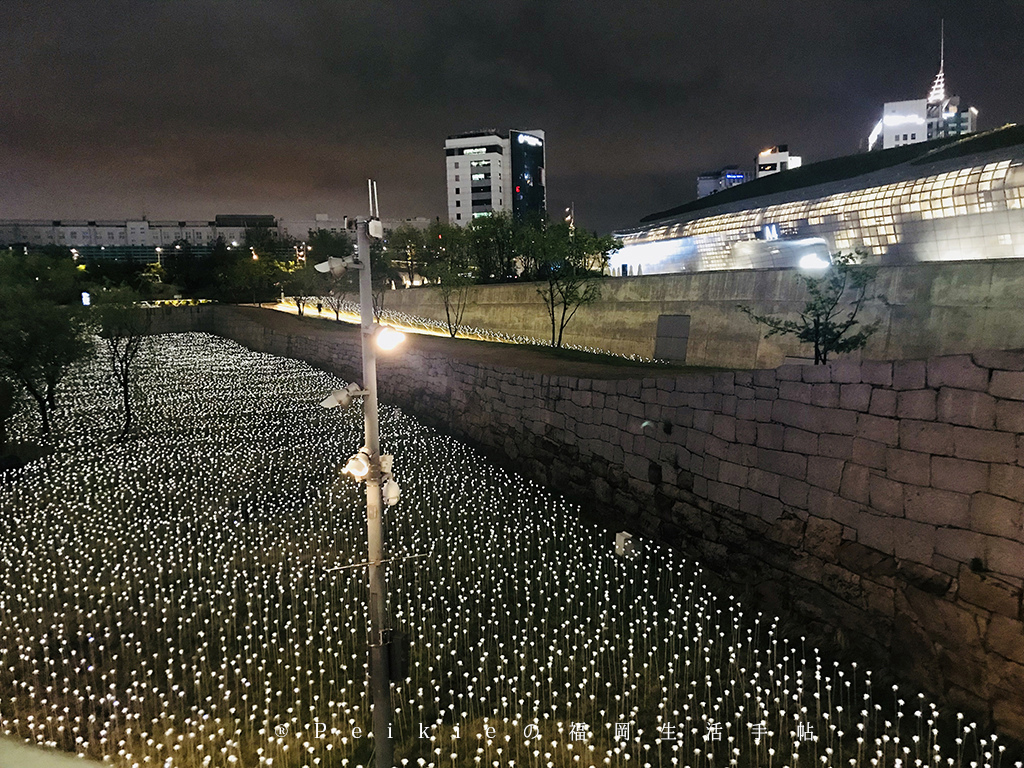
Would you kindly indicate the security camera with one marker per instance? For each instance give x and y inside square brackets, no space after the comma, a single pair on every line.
[342,397]
[391,492]
[386,461]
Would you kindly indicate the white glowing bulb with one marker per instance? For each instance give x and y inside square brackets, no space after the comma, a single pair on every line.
[388,338]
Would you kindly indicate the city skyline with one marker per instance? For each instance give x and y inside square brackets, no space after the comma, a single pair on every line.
[189,111]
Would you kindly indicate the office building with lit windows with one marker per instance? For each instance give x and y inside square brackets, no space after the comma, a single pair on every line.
[489,172]
[948,199]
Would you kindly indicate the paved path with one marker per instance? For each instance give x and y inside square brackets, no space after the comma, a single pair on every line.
[18,754]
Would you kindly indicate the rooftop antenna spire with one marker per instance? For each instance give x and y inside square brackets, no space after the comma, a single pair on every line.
[937,94]
[942,45]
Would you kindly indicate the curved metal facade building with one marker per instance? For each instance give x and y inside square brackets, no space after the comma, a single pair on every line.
[948,204]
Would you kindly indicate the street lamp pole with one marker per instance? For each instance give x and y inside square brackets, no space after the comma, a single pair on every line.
[380,630]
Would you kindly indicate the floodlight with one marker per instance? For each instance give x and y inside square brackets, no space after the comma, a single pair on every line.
[375,229]
[358,466]
[391,492]
[342,397]
[337,267]
[387,338]
[813,261]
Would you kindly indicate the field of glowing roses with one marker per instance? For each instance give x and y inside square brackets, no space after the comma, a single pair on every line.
[177,600]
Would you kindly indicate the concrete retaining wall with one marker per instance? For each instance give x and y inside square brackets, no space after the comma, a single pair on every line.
[925,309]
[879,503]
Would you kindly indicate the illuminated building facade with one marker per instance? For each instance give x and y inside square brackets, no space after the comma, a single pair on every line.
[937,201]
[776,160]
[529,195]
[717,181]
[933,117]
[488,171]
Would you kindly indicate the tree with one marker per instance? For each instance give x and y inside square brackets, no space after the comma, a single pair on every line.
[449,266]
[406,244]
[10,401]
[264,242]
[322,245]
[570,264]
[825,322]
[303,283]
[42,329]
[382,273]
[123,325]
[183,268]
[493,243]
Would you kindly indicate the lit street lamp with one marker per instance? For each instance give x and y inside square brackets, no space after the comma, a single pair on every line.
[375,470]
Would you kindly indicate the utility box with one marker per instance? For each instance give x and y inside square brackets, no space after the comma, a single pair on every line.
[672,337]
[624,545]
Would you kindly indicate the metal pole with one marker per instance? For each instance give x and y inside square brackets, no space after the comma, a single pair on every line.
[380,682]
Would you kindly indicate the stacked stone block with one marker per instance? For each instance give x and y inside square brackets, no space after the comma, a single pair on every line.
[878,503]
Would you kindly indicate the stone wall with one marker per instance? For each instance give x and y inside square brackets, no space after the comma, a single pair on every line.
[879,503]
[925,309]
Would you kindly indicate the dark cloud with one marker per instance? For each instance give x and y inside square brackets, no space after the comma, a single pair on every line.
[187,108]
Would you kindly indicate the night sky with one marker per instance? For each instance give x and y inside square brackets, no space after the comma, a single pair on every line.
[181,109]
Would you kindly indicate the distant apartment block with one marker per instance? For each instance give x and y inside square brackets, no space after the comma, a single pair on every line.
[138,239]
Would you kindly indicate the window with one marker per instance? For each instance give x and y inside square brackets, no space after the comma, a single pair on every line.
[458,217]
[456,164]
[456,190]
[458,203]
[913,136]
[478,176]
[456,177]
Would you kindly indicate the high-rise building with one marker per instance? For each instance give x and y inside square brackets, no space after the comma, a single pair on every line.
[776,160]
[488,171]
[716,181]
[934,117]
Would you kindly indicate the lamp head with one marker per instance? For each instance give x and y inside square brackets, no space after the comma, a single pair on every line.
[386,337]
[812,262]
[358,466]
[342,398]
[337,267]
